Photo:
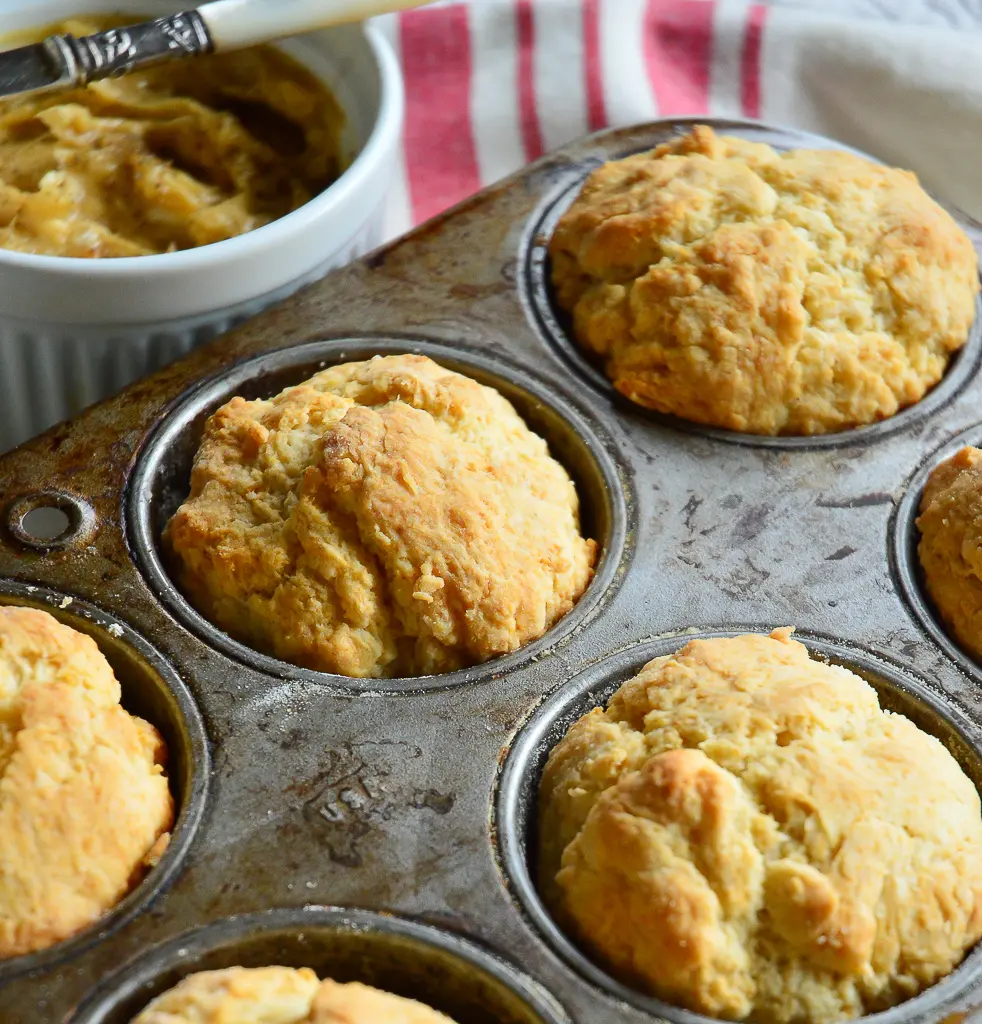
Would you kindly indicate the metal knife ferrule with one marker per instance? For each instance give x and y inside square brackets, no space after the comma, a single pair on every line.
[116,51]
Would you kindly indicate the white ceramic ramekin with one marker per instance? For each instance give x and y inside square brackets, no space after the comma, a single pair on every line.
[75,330]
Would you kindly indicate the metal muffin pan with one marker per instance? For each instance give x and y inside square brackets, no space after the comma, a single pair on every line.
[389,797]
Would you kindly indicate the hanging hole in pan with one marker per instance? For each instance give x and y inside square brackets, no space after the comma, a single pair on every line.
[151,690]
[417,961]
[49,520]
[554,325]
[906,565]
[515,803]
[161,482]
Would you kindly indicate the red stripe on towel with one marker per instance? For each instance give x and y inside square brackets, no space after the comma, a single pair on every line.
[531,129]
[678,49]
[750,64]
[596,109]
[441,161]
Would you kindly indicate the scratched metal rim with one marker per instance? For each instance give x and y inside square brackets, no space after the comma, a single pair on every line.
[604,484]
[153,690]
[516,799]
[552,326]
[437,967]
[906,566]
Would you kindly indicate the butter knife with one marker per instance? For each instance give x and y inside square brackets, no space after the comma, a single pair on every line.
[67,62]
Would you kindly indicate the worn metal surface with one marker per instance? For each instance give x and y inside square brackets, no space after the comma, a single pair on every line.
[325,792]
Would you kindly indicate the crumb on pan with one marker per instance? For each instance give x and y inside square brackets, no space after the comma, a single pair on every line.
[746,833]
[727,283]
[84,801]
[387,517]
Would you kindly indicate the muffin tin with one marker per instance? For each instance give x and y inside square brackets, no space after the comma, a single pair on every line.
[384,829]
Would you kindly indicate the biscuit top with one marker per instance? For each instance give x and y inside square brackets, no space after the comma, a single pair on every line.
[387,517]
[950,548]
[744,832]
[795,292]
[280,995]
[359,1004]
[84,803]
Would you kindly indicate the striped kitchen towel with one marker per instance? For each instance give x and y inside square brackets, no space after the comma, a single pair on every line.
[493,84]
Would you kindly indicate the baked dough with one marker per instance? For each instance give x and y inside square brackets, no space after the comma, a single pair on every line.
[773,293]
[280,995]
[360,1004]
[236,995]
[745,833]
[950,549]
[384,518]
[84,803]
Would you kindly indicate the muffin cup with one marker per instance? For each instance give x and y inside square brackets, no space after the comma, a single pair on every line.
[155,692]
[73,330]
[161,480]
[394,954]
[905,537]
[517,797]
[554,325]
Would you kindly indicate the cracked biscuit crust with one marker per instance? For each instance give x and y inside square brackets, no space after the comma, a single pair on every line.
[237,995]
[950,548]
[744,832]
[84,803]
[384,518]
[280,995]
[772,293]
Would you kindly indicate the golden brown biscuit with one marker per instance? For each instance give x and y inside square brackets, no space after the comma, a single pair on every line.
[744,832]
[84,803]
[384,518]
[280,995]
[950,549]
[773,293]
[236,995]
[359,1004]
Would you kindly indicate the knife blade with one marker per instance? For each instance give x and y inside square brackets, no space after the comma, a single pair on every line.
[32,69]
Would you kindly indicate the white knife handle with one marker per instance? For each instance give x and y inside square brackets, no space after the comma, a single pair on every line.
[234,24]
